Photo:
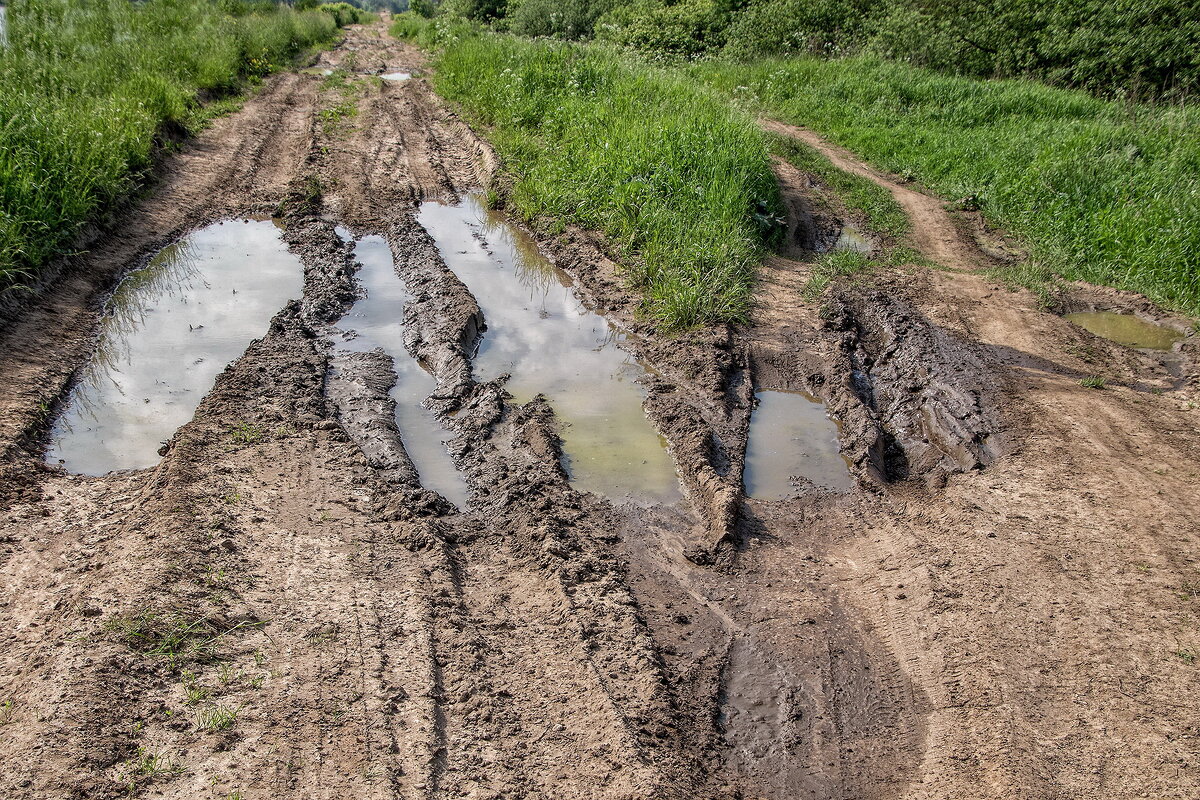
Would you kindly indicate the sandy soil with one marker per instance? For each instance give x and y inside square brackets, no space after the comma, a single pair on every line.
[1005,607]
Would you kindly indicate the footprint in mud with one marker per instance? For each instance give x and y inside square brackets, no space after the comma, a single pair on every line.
[542,336]
[168,330]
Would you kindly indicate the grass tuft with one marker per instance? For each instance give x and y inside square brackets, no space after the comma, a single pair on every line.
[88,88]
[677,179]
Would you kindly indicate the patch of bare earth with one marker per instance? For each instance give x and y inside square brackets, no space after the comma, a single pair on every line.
[1005,606]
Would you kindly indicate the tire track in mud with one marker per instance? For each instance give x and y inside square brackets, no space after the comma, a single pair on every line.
[934,232]
[545,643]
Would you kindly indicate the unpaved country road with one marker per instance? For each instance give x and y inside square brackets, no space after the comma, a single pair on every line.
[1005,607]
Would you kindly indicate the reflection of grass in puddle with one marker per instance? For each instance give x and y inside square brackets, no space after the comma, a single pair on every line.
[542,335]
[171,273]
[1126,329]
[167,331]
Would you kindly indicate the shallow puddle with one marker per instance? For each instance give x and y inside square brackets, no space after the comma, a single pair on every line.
[549,343]
[377,321]
[169,329]
[396,76]
[851,239]
[791,438]
[1127,329]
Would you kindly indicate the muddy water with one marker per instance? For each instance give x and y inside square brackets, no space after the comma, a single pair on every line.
[852,239]
[542,336]
[1127,329]
[168,330]
[792,440]
[376,321]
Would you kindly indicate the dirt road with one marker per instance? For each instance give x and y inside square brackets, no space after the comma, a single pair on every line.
[1005,606]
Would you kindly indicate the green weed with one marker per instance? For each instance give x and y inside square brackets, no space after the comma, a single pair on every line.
[6,712]
[173,637]
[194,693]
[88,88]
[245,433]
[1093,382]
[835,264]
[668,170]
[153,764]
[217,717]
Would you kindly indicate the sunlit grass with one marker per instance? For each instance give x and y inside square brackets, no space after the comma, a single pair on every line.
[88,86]
[667,170]
[1099,191]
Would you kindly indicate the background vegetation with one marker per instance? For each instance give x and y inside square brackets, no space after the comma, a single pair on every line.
[1101,191]
[1111,47]
[678,179]
[1096,185]
[88,87]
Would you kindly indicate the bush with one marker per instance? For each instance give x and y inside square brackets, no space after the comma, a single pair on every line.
[687,29]
[1105,46]
[781,27]
[345,14]
[563,19]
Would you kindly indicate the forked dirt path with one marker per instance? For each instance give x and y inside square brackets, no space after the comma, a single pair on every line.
[1005,606]
[934,232]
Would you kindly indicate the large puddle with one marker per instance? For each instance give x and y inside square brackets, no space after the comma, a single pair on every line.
[792,441]
[377,321]
[1127,329]
[169,329]
[549,343]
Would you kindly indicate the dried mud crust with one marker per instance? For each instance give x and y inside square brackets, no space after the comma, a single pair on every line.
[285,612]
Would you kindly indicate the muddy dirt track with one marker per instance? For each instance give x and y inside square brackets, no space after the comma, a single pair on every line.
[1005,607]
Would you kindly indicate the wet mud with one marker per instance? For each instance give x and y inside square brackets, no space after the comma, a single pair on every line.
[168,329]
[287,604]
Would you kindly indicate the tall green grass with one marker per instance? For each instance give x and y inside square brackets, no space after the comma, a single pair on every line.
[1099,191]
[669,171]
[87,86]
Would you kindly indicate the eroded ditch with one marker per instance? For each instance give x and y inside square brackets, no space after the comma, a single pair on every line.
[168,330]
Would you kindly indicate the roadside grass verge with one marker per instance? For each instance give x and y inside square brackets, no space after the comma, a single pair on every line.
[1099,191]
[678,181]
[89,87]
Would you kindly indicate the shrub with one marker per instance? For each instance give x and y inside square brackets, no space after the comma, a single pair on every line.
[687,29]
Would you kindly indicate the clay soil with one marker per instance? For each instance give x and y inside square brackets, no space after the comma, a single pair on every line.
[1006,606]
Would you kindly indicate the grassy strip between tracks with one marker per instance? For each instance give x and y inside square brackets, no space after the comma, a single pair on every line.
[678,180]
[1099,191]
[87,87]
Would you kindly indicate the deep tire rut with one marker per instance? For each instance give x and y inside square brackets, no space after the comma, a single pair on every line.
[370,641]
